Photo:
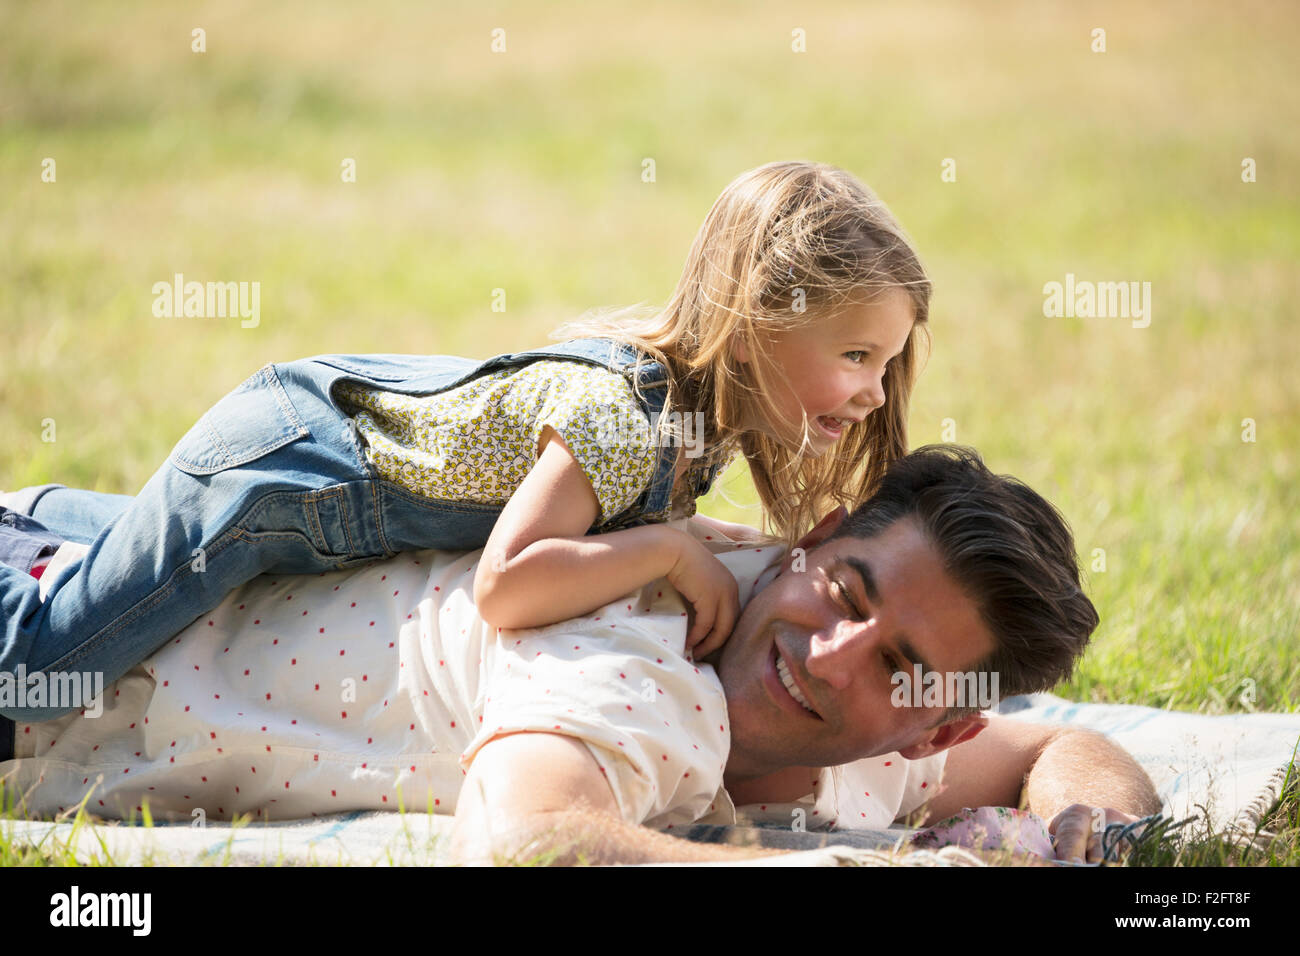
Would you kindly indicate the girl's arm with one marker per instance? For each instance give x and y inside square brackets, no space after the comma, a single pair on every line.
[539,567]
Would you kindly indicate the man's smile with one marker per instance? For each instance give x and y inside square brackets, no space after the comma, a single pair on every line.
[782,687]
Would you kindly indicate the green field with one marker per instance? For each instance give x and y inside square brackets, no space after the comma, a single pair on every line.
[522,170]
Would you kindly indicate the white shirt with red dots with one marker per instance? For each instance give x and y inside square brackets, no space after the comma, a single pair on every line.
[373,688]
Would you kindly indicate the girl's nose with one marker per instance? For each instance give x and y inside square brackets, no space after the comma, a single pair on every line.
[873,395]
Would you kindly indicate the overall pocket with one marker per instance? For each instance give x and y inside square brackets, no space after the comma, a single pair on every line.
[252,421]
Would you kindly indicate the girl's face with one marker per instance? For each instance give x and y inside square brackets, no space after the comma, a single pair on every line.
[833,369]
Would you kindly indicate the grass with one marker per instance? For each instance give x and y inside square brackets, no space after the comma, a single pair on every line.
[522,171]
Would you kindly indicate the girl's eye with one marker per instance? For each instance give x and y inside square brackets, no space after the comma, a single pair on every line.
[861,356]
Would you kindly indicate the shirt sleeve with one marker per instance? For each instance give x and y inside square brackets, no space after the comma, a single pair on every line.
[875,792]
[595,413]
[923,779]
[655,723]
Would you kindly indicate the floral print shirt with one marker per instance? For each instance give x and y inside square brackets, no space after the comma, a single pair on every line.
[477,442]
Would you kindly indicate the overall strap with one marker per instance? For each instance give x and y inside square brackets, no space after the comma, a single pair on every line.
[649,377]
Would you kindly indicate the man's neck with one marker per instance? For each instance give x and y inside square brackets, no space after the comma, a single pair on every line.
[782,786]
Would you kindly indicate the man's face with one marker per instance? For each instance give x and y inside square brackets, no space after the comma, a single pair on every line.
[842,640]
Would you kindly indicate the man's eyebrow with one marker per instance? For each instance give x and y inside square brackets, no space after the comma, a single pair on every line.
[868,580]
[912,655]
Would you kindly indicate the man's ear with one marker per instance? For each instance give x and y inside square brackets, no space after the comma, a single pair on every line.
[824,528]
[817,535]
[945,736]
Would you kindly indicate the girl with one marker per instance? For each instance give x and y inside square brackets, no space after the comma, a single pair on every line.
[792,337]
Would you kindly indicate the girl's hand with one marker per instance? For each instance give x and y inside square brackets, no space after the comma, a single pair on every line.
[711,590]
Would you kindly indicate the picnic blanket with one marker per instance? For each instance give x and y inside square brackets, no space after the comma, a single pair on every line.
[1225,771]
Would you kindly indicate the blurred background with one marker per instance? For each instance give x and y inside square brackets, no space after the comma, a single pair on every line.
[1171,449]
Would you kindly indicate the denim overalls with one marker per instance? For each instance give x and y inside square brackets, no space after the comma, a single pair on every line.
[273,478]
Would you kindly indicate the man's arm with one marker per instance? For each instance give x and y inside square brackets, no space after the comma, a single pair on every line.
[1052,771]
[536,797]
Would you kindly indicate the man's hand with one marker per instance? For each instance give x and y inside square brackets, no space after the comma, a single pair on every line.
[711,590]
[1077,832]
[1075,779]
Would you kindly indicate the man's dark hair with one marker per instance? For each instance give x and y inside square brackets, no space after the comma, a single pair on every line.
[1005,546]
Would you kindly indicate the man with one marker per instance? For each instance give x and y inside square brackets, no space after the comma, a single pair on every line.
[947,566]
[382,687]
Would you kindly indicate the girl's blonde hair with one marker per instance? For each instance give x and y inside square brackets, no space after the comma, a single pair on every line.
[785,245]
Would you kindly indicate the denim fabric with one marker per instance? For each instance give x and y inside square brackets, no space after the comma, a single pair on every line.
[23,540]
[73,514]
[79,516]
[273,478]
